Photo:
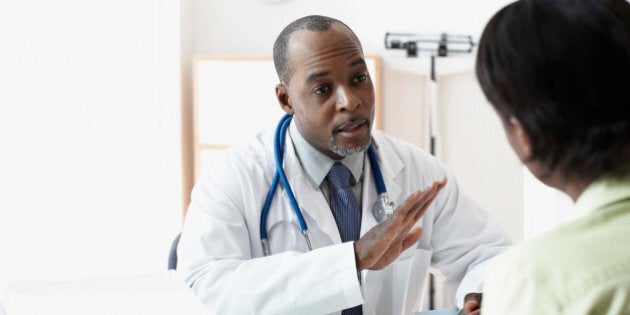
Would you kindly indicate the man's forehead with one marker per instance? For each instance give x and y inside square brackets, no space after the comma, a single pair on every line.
[306,47]
[307,39]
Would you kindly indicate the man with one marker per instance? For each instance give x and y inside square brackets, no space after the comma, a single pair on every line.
[356,265]
[558,74]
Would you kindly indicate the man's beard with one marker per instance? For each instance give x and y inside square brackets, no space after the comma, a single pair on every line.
[347,151]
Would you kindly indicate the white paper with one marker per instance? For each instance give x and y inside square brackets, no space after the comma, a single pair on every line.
[446,311]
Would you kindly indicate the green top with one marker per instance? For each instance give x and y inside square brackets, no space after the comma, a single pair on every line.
[582,267]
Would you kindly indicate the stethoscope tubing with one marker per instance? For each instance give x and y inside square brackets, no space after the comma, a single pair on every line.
[376,171]
[280,175]
[279,154]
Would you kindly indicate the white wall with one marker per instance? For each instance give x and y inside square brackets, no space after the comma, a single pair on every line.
[544,207]
[473,144]
[90,178]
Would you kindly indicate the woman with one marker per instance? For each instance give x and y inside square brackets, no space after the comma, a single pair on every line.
[558,75]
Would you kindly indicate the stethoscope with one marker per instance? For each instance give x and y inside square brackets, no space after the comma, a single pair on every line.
[382,209]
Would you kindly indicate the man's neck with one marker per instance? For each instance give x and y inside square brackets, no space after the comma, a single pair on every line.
[316,164]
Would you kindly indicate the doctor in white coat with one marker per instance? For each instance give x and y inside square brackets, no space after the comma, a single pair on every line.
[325,85]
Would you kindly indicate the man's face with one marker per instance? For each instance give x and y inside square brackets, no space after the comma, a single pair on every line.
[329,93]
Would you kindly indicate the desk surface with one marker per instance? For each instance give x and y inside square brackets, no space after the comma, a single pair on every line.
[155,294]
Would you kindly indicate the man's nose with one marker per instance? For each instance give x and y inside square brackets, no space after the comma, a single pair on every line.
[347,100]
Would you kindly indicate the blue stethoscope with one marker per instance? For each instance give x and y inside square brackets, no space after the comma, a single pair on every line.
[382,209]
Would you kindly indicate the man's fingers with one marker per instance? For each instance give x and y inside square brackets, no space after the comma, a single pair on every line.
[443,182]
[425,201]
[473,297]
[412,204]
[472,304]
[384,242]
[411,238]
[415,206]
[397,247]
[401,212]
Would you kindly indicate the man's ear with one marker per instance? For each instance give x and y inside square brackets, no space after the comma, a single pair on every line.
[282,94]
[521,141]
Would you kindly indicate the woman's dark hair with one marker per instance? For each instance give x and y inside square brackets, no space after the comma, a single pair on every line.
[562,68]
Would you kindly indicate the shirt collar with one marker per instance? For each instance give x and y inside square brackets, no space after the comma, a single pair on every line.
[317,164]
[603,192]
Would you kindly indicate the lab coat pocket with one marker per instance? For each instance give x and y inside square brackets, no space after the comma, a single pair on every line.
[409,278]
[397,289]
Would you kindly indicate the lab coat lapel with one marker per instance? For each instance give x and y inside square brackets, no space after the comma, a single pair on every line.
[321,223]
[391,167]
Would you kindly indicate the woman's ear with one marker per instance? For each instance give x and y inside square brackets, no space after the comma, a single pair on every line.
[282,94]
[519,139]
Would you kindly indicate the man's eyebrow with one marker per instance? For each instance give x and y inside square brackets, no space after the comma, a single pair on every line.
[316,75]
[359,61]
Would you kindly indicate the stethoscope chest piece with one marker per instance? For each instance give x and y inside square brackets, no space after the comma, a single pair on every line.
[383,208]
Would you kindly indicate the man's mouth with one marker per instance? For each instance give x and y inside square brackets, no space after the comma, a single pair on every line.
[352,127]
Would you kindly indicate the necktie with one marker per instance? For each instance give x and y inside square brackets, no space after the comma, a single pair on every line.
[346,211]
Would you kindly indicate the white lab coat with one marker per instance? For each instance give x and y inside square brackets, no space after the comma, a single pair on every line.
[222,260]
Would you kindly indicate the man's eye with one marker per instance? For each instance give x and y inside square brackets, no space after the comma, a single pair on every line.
[321,90]
[361,78]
